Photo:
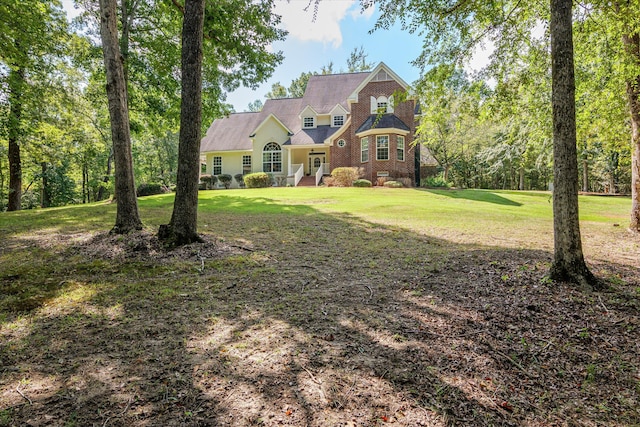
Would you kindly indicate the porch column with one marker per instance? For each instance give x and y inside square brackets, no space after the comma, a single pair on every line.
[289,162]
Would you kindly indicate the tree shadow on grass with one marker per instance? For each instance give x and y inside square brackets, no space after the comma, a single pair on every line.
[475,195]
[323,320]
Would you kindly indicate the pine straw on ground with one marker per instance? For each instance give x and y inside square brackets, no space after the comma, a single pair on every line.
[312,321]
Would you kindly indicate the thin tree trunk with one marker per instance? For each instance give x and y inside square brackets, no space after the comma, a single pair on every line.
[45,195]
[127,217]
[568,264]
[107,175]
[585,175]
[16,85]
[632,44]
[182,228]
[521,180]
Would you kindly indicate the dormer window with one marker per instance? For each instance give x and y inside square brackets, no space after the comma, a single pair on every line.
[338,121]
[382,107]
[308,122]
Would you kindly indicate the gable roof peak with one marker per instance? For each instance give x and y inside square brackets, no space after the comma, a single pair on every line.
[373,74]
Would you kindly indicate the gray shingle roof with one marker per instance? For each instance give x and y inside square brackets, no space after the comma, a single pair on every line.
[386,121]
[326,91]
[312,136]
[323,93]
[230,133]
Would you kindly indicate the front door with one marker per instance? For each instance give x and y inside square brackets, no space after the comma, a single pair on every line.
[315,160]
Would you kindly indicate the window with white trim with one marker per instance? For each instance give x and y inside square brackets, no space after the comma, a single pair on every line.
[308,122]
[246,165]
[364,149]
[381,105]
[382,147]
[217,165]
[272,158]
[400,148]
[338,121]
[341,143]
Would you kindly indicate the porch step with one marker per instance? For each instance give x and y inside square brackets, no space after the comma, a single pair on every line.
[307,181]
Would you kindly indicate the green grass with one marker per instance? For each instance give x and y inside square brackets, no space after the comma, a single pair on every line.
[477,214]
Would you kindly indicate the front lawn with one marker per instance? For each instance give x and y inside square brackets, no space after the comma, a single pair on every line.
[319,307]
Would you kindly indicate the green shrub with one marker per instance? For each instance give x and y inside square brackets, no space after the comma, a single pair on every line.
[209,181]
[362,183]
[30,200]
[225,179]
[239,179]
[434,182]
[344,177]
[393,184]
[151,189]
[257,180]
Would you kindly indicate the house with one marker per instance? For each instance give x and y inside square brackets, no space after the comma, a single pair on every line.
[342,120]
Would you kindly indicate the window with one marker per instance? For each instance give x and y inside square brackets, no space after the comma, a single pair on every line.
[308,122]
[400,148]
[364,150]
[338,121]
[341,143]
[382,147]
[246,165]
[272,158]
[381,105]
[217,166]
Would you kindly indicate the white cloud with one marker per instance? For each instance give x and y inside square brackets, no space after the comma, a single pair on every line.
[326,26]
[357,12]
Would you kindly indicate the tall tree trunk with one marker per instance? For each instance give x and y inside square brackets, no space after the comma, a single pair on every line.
[568,264]
[632,44]
[127,217]
[184,220]
[16,87]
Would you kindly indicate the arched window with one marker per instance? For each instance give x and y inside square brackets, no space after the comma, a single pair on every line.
[381,104]
[272,158]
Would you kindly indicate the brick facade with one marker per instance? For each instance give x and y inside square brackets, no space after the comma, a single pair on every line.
[350,154]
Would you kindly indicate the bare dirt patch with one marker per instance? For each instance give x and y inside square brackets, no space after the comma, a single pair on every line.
[316,320]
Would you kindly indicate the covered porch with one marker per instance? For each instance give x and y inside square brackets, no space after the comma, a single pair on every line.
[307,164]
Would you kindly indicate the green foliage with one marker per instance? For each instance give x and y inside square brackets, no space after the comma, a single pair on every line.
[362,183]
[60,189]
[277,91]
[30,200]
[225,179]
[299,85]
[393,184]
[434,182]
[345,176]
[239,179]
[209,181]
[257,180]
[255,106]
[151,189]
[357,61]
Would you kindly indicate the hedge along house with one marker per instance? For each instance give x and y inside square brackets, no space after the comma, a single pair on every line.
[342,120]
